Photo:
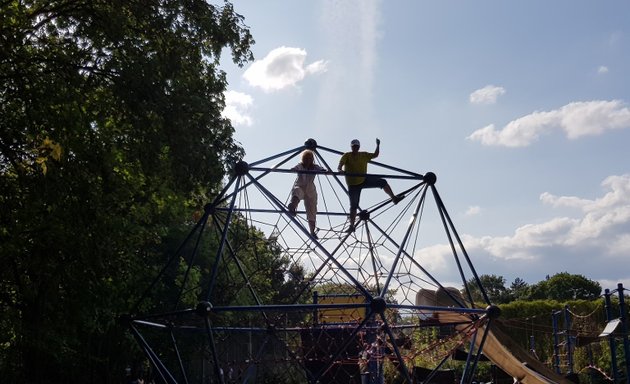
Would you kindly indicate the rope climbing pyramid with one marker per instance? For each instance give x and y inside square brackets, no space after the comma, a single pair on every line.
[260,295]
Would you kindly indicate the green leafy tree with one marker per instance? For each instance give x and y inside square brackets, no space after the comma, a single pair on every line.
[565,286]
[519,289]
[494,286]
[110,132]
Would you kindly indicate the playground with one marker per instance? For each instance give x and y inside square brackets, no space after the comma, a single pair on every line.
[366,305]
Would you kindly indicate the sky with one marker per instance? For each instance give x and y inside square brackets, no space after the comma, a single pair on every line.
[521,109]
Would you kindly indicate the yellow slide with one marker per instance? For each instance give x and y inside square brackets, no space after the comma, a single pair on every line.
[498,347]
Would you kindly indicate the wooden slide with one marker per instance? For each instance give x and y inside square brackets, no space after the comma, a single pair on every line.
[498,347]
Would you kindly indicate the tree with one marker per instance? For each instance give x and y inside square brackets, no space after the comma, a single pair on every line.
[519,289]
[110,132]
[494,287]
[565,286]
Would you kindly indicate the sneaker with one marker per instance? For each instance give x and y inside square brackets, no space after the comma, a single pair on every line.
[350,229]
[396,199]
[314,235]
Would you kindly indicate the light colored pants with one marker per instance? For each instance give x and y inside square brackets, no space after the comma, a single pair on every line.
[309,195]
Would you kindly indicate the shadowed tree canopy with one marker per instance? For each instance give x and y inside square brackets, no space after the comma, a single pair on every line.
[110,132]
[494,286]
[565,286]
[559,287]
[519,289]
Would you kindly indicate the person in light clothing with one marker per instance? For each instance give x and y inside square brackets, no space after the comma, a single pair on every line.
[304,189]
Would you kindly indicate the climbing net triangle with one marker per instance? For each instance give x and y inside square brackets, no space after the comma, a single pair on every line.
[251,295]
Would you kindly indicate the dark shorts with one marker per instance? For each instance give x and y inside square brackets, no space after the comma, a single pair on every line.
[354,191]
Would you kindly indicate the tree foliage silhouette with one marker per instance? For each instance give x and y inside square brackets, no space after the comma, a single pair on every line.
[110,133]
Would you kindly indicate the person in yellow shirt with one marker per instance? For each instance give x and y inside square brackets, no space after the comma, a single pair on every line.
[354,164]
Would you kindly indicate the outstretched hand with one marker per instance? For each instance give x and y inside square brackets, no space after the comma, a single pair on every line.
[378,141]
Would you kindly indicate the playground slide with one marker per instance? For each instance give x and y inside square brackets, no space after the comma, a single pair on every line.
[515,361]
[498,347]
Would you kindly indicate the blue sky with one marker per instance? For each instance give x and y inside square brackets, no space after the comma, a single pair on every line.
[521,109]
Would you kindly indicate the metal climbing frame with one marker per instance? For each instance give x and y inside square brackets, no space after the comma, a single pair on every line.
[251,296]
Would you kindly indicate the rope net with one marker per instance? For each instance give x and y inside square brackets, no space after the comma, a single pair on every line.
[252,296]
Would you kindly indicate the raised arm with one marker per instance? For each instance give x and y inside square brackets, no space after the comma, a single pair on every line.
[378,148]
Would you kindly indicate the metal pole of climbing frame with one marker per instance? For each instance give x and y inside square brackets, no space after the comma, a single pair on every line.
[624,329]
[567,330]
[591,362]
[611,338]
[556,350]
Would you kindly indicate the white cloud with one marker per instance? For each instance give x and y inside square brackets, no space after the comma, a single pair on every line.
[603,215]
[602,69]
[434,258]
[486,95]
[619,195]
[473,210]
[563,201]
[612,284]
[317,67]
[576,119]
[601,225]
[237,106]
[282,67]
[592,242]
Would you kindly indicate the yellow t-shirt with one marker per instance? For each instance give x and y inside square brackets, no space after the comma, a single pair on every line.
[355,163]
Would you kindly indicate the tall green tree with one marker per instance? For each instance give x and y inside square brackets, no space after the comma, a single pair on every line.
[519,289]
[110,130]
[494,286]
[565,286]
